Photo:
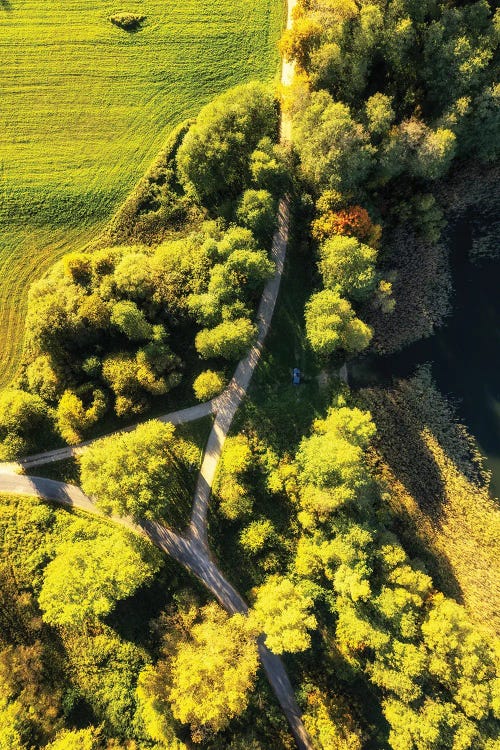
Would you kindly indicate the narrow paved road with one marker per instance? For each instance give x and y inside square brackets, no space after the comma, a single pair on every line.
[191,549]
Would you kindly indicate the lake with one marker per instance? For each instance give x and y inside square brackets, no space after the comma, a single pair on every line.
[464,353]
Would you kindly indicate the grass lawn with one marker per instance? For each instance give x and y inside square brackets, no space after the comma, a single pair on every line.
[85,106]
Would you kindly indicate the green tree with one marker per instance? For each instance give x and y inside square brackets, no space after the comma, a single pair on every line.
[348,266]
[423,152]
[30,701]
[230,339]
[257,535]
[334,150]
[43,378]
[331,324]
[230,483]
[257,211]
[140,473]
[88,577]
[77,739]
[213,673]
[334,458]
[268,168]
[461,658]
[242,275]
[154,707]
[105,669]
[23,419]
[73,419]
[133,275]
[282,610]
[130,320]
[208,384]
[214,158]
[379,113]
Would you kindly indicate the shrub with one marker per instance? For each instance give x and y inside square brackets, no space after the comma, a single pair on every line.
[127,21]
[208,384]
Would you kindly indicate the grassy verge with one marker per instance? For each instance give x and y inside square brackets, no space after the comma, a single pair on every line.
[87,105]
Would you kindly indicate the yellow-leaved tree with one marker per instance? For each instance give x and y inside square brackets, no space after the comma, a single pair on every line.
[282,611]
[214,672]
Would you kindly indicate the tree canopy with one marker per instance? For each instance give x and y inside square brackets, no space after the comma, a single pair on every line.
[214,671]
[214,158]
[87,577]
[141,473]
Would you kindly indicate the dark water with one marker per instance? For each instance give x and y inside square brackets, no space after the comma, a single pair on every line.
[464,354]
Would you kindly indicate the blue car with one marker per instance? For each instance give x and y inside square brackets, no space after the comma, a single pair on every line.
[296,376]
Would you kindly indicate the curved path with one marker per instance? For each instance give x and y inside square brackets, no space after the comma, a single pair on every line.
[191,549]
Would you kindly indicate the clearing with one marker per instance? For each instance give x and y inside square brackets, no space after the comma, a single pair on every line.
[85,106]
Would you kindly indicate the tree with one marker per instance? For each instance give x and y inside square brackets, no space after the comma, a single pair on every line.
[230,485]
[257,535]
[230,339]
[437,724]
[334,458]
[133,275]
[153,370]
[379,113]
[331,324]
[154,707]
[353,221]
[462,660]
[213,673]
[423,152]
[105,668]
[77,739]
[268,168]
[43,379]
[329,722]
[257,211]
[241,276]
[23,418]
[282,611]
[208,384]
[214,157]
[334,150]
[73,419]
[140,473]
[87,578]
[130,320]
[348,266]
[30,702]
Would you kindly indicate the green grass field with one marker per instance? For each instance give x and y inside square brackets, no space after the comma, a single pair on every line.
[85,106]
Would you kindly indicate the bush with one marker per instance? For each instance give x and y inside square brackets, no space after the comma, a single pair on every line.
[127,21]
[208,384]
[230,339]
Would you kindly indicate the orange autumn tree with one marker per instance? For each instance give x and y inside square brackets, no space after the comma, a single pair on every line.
[353,221]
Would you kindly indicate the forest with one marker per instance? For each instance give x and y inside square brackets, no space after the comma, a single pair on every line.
[356,523]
